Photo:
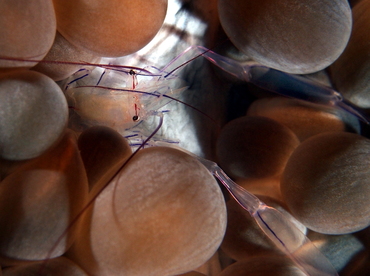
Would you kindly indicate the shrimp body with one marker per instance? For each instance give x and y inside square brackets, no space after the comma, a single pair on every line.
[121,99]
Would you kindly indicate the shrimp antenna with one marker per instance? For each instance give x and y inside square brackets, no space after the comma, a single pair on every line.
[190,48]
[185,63]
[83,63]
[92,200]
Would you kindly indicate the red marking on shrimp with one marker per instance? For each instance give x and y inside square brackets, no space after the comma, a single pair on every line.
[134,79]
[135,118]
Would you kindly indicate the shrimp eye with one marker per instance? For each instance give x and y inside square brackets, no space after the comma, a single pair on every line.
[135,118]
[132,72]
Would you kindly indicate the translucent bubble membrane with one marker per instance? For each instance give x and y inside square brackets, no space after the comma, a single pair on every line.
[64,52]
[325,183]
[163,205]
[351,72]
[38,201]
[295,36]
[103,152]
[110,29]
[255,147]
[27,30]
[34,114]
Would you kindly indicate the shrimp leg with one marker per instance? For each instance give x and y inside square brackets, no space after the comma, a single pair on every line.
[277,227]
[294,86]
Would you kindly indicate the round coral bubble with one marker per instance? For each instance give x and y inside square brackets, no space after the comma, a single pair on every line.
[295,36]
[34,114]
[27,30]
[115,28]
[255,147]
[103,151]
[351,72]
[55,64]
[163,206]
[38,203]
[303,118]
[326,183]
